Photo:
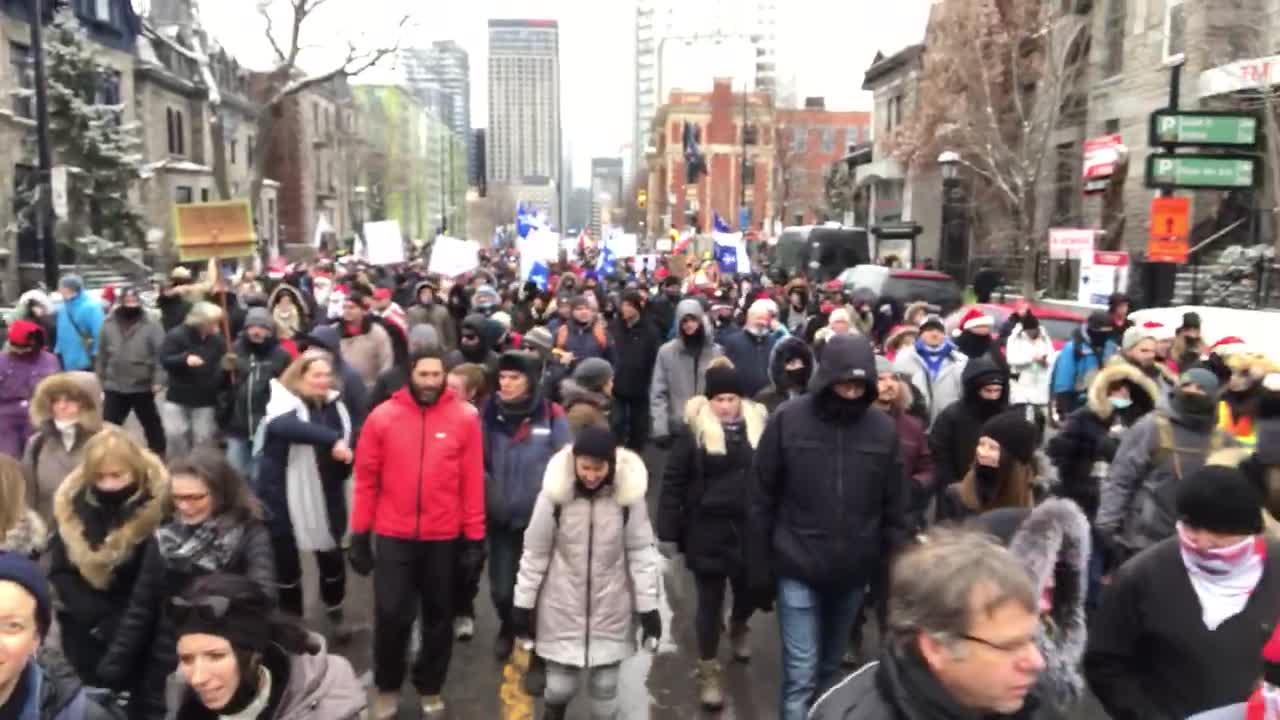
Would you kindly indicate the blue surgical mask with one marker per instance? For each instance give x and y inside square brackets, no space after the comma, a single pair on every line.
[1121,403]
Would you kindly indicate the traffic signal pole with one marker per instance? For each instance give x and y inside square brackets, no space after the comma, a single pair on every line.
[44,185]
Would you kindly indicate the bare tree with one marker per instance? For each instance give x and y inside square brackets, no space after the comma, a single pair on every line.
[996,74]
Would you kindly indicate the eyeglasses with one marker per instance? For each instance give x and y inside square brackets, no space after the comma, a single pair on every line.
[213,607]
[190,499]
[1013,647]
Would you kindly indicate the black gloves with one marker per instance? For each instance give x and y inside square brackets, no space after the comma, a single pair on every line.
[521,622]
[360,554]
[471,558]
[651,626]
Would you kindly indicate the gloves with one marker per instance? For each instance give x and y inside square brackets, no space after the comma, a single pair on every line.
[668,549]
[471,558]
[229,362]
[663,442]
[651,626]
[521,622]
[360,554]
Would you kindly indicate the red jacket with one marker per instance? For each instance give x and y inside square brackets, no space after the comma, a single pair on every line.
[419,472]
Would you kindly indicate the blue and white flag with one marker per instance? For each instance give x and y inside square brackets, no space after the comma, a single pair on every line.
[527,220]
[604,263]
[539,274]
[730,252]
[719,225]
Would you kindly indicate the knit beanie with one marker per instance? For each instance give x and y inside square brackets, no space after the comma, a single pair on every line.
[1202,377]
[595,442]
[578,301]
[593,374]
[237,609]
[25,334]
[933,322]
[423,335]
[1017,437]
[722,380]
[23,572]
[1220,499]
[1133,336]
[71,282]
[538,340]
[259,317]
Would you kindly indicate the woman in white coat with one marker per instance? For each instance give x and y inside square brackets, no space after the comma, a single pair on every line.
[1030,356]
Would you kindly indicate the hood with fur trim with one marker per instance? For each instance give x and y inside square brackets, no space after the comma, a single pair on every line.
[29,537]
[709,433]
[294,294]
[96,565]
[630,477]
[77,383]
[1113,373]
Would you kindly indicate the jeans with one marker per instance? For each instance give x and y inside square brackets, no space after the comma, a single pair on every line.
[240,455]
[631,421]
[602,688]
[505,547]
[116,407]
[187,428]
[815,628]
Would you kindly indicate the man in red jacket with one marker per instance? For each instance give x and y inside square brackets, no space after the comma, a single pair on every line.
[419,487]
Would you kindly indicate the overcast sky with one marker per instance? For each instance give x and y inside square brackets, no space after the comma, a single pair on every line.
[825,45]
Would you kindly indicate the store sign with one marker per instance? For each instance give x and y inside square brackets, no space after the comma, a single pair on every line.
[1241,75]
[1101,155]
[1070,243]
[1210,172]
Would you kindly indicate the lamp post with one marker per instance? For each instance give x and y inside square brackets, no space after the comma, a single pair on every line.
[953,240]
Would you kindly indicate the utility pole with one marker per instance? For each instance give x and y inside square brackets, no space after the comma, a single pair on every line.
[44,187]
[743,218]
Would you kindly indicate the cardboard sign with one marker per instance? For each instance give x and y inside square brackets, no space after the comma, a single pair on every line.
[220,230]
[452,257]
[383,243]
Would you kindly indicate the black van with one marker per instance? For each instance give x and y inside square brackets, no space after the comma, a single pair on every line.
[822,252]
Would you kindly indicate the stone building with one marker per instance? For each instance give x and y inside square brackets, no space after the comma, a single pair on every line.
[809,141]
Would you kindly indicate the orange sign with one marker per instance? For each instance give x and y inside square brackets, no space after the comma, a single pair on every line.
[220,230]
[1170,228]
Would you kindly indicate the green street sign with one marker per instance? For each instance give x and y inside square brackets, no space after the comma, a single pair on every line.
[1203,128]
[1209,172]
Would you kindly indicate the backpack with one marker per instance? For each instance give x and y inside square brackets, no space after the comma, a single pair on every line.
[1166,446]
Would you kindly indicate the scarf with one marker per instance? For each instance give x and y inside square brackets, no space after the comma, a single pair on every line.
[66,432]
[260,700]
[933,357]
[209,546]
[288,322]
[1223,579]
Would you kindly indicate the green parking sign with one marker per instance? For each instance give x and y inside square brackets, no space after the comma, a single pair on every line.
[1210,172]
[1204,128]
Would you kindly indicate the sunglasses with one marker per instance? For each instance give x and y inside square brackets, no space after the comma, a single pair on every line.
[213,607]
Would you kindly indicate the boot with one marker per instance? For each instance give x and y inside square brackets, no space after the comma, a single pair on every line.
[710,693]
[740,642]
[338,626]
[386,706]
[555,712]
[503,645]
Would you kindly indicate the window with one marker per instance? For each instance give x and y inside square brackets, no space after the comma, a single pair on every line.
[828,140]
[893,113]
[315,116]
[204,194]
[749,173]
[1113,52]
[183,195]
[1175,30]
[798,137]
[248,151]
[102,10]
[851,136]
[173,124]
[107,91]
[20,68]
[1111,126]
[231,152]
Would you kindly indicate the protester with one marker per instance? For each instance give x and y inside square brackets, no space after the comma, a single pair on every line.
[1118,312]
[1080,358]
[475,346]
[419,486]
[384,307]
[636,341]
[292,315]
[366,345]
[703,513]
[1003,474]
[23,365]
[259,359]
[36,307]
[467,381]
[1177,631]
[427,310]
[954,434]
[304,461]
[214,525]
[934,366]
[1238,407]
[584,335]
[975,328]
[678,372]
[791,364]
[824,541]
[421,337]
[751,348]
[324,339]
[795,310]
[588,395]
[237,658]
[1138,348]
[1186,343]
[1030,352]
[79,323]
[897,338]
[963,624]
[65,413]
[105,511]
[129,364]
[589,529]
[175,298]
[32,688]
[192,355]
[893,397]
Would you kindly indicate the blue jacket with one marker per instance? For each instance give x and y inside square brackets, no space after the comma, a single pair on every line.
[516,459]
[1076,365]
[78,318]
[750,356]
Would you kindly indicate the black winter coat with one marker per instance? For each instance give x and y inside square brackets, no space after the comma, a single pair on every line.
[705,486]
[188,386]
[173,310]
[321,430]
[256,367]
[146,637]
[636,348]
[828,504]
[953,437]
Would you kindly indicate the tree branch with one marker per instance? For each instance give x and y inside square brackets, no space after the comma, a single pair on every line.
[264,10]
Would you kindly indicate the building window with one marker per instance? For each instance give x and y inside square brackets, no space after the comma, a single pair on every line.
[1175,30]
[183,195]
[1064,182]
[828,140]
[893,113]
[798,137]
[231,151]
[315,116]
[173,122]
[102,10]
[204,194]
[248,151]
[20,68]
[1113,53]
[851,136]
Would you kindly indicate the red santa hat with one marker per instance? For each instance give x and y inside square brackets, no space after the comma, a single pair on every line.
[975,318]
[1229,345]
[382,293]
[24,333]
[1157,331]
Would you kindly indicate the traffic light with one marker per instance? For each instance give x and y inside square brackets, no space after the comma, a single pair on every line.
[642,198]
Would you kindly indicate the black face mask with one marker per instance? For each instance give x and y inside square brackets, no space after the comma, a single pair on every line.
[130,312]
[1196,405]
[988,478]
[798,377]
[973,345]
[833,408]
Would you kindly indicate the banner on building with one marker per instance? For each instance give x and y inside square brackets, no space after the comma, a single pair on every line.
[452,257]
[383,244]
[219,230]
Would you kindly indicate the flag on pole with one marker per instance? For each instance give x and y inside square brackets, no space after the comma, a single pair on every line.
[682,242]
[730,252]
[719,225]
[539,274]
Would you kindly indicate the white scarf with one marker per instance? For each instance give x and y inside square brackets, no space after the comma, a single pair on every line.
[67,432]
[1223,579]
[255,708]
[308,512]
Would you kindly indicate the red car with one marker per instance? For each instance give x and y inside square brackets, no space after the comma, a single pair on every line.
[1056,322]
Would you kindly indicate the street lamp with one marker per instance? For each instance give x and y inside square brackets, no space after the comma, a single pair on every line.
[953,236]
[949,161]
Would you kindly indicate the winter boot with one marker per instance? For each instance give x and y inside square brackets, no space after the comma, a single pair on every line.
[740,641]
[710,692]
[503,645]
[555,712]
[386,706]
[432,706]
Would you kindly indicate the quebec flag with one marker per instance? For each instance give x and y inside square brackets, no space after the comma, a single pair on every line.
[719,225]
[527,220]
[539,274]
[730,252]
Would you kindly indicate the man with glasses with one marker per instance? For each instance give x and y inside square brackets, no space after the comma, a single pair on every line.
[963,619]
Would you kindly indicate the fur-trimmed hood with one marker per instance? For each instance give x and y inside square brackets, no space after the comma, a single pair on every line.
[29,537]
[294,294]
[96,566]
[77,382]
[1113,373]
[707,430]
[630,477]
[785,350]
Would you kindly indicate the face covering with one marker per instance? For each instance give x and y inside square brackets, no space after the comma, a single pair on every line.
[130,313]
[758,332]
[1195,404]
[1121,403]
[798,377]
[973,345]
[1223,579]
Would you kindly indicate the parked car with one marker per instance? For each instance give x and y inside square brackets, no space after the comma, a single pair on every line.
[1056,322]
[906,286]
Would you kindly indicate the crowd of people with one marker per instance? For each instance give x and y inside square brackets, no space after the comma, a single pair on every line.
[1024,526]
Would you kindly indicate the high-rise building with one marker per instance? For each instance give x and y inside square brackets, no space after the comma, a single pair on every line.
[440,76]
[606,194]
[686,44]
[523,138]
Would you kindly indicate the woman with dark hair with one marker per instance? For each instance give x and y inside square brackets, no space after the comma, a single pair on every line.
[237,658]
[214,526]
[1004,473]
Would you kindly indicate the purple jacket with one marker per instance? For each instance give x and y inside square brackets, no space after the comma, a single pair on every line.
[18,380]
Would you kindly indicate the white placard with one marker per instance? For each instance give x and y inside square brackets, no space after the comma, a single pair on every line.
[1101,274]
[58,190]
[383,243]
[624,245]
[539,245]
[1070,243]
[452,257]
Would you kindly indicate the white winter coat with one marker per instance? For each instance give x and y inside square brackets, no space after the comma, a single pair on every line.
[586,573]
[1031,383]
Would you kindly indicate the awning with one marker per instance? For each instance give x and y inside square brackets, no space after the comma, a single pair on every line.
[1251,74]
[882,169]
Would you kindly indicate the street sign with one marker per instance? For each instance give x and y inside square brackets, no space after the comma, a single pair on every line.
[1070,243]
[1207,129]
[1170,229]
[58,191]
[1101,155]
[1209,172]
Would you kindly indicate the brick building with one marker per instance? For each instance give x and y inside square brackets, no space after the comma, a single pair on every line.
[808,142]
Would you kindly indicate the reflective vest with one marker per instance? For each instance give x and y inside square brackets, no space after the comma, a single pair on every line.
[1242,429]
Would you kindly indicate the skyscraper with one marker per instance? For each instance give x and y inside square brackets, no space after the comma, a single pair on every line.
[606,194]
[440,76]
[523,140]
[688,43]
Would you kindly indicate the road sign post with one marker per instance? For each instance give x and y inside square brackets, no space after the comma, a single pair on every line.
[1203,171]
[1204,129]
[1170,230]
